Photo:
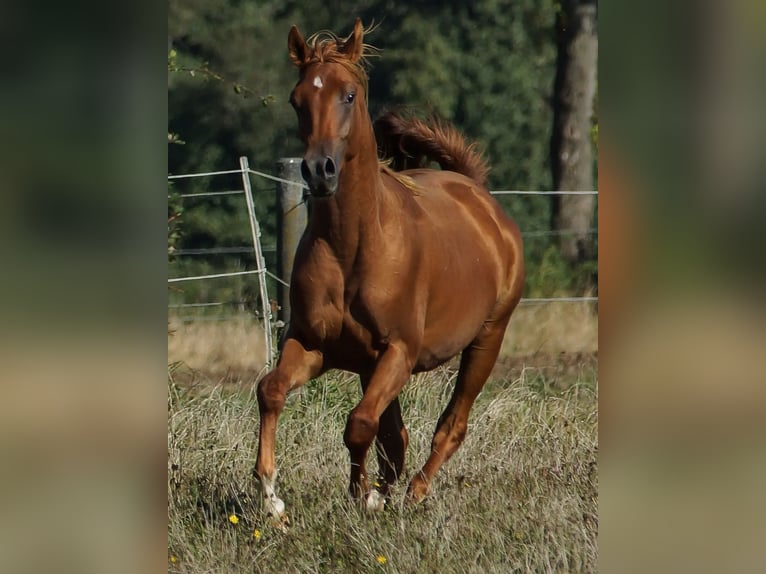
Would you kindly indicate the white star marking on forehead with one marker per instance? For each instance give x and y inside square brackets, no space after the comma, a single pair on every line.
[318,82]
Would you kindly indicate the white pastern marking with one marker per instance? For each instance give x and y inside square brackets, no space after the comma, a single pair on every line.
[318,82]
[271,503]
[375,501]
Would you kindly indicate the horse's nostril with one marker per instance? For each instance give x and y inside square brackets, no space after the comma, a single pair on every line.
[312,169]
[305,172]
[329,167]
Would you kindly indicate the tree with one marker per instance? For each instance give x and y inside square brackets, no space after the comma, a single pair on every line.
[487,66]
[571,146]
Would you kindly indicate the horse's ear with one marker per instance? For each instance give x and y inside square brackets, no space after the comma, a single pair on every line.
[353,46]
[296,47]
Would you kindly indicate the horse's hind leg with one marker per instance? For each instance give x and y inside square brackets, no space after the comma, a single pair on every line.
[295,367]
[476,364]
[390,445]
[365,420]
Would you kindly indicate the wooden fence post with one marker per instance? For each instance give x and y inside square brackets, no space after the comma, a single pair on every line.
[292,217]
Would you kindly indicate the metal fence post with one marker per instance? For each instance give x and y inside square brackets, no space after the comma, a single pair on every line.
[292,217]
[259,261]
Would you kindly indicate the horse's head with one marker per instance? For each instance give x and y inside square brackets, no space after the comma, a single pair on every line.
[328,98]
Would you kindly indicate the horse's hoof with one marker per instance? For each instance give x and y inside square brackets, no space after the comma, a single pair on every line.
[275,511]
[279,521]
[417,491]
[375,501]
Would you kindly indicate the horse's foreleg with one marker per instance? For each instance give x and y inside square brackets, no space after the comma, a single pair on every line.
[295,367]
[476,364]
[364,422]
[390,445]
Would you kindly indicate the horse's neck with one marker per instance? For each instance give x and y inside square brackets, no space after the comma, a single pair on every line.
[348,220]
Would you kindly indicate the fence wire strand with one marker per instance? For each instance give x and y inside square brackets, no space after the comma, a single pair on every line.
[526,301]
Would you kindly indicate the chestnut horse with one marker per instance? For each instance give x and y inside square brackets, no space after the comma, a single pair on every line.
[396,272]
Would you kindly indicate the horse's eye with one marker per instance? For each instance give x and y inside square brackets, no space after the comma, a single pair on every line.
[350,97]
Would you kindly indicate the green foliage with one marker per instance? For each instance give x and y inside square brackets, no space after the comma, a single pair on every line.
[487,66]
[175,203]
[552,276]
[175,210]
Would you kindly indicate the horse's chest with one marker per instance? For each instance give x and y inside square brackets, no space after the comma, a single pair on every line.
[337,320]
[317,308]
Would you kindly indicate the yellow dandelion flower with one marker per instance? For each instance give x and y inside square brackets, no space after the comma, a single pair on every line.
[233,519]
[173,559]
[381,559]
[257,534]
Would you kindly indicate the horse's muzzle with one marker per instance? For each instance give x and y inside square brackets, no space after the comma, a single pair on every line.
[321,175]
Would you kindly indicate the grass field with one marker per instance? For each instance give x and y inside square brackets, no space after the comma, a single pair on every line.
[519,496]
[233,350]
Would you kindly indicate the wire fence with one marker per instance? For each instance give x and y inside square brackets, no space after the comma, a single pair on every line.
[246,249]
[245,172]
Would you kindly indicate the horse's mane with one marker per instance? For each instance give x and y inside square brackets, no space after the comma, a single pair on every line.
[410,143]
[403,179]
[405,142]
[324,46]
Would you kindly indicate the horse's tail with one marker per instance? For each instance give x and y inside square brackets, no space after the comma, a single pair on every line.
[410,143]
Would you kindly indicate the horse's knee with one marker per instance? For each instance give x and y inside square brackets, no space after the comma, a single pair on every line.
[361,429]
[271,392]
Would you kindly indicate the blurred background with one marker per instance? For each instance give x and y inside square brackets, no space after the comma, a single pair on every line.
[84,236]
[519,78]
[682,325]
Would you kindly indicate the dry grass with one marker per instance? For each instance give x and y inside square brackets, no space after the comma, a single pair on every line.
[218,348]
[519,496]
[552,329]
[234,348]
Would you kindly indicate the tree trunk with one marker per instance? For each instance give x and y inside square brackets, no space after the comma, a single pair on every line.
[571,148]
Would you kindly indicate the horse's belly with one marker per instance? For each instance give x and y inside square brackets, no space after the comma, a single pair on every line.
[454,320]
[441,345]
